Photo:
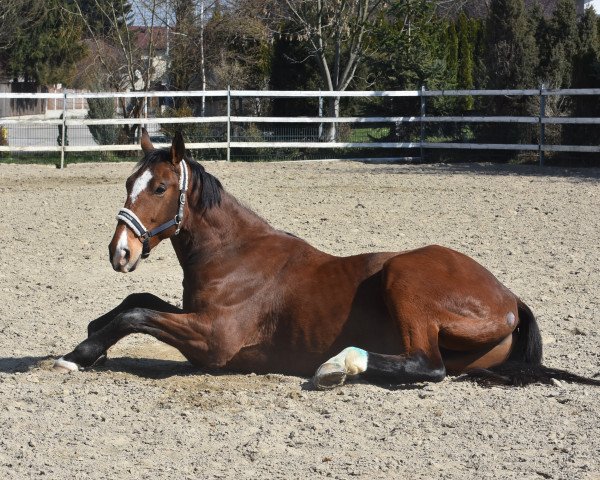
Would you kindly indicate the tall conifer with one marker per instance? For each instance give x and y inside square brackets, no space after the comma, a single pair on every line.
[452,55]
[465,60]
[47,48]
[511,58]
[562,39]
[512,51]
[586,74]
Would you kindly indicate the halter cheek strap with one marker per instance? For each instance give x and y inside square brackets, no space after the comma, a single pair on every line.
[136,225]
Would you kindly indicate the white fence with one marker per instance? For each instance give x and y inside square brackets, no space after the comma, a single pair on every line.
[73,118]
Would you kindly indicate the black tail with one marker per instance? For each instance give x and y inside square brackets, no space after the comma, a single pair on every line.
[524,364]
[528,347]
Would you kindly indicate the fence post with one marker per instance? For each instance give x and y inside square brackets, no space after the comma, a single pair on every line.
[422,95]
[228,123]
[63,130]
[542,124]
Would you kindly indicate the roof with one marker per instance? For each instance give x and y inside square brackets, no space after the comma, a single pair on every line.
[143,36]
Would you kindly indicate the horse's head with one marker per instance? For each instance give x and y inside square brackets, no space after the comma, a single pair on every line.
[154,209]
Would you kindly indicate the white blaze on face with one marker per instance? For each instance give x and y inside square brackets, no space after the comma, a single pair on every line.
[122,246]
[140,185]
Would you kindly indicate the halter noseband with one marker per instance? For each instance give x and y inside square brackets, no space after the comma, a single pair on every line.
[135,224]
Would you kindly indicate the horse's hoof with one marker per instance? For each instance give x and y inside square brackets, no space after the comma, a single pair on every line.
[329,376]
[64,366]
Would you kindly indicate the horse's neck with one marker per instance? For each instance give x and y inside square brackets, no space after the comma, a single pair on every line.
[209,233]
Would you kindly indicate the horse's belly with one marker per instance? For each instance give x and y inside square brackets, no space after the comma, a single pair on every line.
[261,360]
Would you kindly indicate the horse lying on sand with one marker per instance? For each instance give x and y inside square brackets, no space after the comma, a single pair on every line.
[256,299]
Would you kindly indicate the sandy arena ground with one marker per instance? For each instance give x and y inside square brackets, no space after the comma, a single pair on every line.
[148,414]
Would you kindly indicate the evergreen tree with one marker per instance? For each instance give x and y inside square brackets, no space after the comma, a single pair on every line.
[408,58]
[480,71]
[452,56]
[410,46]
[539,26]
[559,46]
[512,50]
[586,74]
[511,59]
[465,59]
[103,108]
[104,15]
[46,50]
[287,74]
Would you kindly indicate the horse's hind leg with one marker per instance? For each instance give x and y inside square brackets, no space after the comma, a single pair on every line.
[353,362]
[419,358]
[178,330]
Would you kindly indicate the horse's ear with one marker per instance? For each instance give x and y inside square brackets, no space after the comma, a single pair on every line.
[145,142]
[177,149]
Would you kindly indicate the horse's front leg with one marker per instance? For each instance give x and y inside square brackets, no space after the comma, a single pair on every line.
[135,300]
[186,332]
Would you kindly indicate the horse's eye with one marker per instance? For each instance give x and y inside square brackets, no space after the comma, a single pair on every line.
[160,190]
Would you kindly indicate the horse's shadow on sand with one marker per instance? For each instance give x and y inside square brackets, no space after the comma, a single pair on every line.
[20,364]
[142,367]
[153,368]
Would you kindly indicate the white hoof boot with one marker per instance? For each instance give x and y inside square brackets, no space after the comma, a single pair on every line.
[349,362]
[329,375]
[64,366]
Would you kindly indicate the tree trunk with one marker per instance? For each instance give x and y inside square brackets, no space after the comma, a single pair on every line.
[202,66]
[333,110]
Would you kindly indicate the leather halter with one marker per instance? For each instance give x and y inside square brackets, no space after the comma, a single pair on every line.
[136,225]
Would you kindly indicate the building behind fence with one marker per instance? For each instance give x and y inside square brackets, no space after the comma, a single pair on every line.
[263,125]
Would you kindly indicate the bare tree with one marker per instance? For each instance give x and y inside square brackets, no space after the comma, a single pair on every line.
[239,43]
[121,58]
[335,31]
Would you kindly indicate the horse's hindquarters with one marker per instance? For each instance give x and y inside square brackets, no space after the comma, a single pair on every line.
[450,308]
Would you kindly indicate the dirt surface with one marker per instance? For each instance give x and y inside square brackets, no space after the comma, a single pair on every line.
[148,414]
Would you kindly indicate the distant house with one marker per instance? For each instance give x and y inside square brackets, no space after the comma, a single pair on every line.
[156,40]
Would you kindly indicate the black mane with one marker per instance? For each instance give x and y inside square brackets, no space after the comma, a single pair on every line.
[199,178]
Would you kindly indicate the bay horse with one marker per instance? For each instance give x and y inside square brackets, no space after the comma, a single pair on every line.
[257,299]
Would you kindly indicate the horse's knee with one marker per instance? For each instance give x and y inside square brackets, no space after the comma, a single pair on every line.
[132,320]
[94,326]
[135,300]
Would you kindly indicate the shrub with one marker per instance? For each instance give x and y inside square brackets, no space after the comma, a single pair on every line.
[102,108]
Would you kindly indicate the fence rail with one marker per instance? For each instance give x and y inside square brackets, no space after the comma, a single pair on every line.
[71,119]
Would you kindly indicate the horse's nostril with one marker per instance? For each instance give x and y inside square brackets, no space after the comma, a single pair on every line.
[125,254]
